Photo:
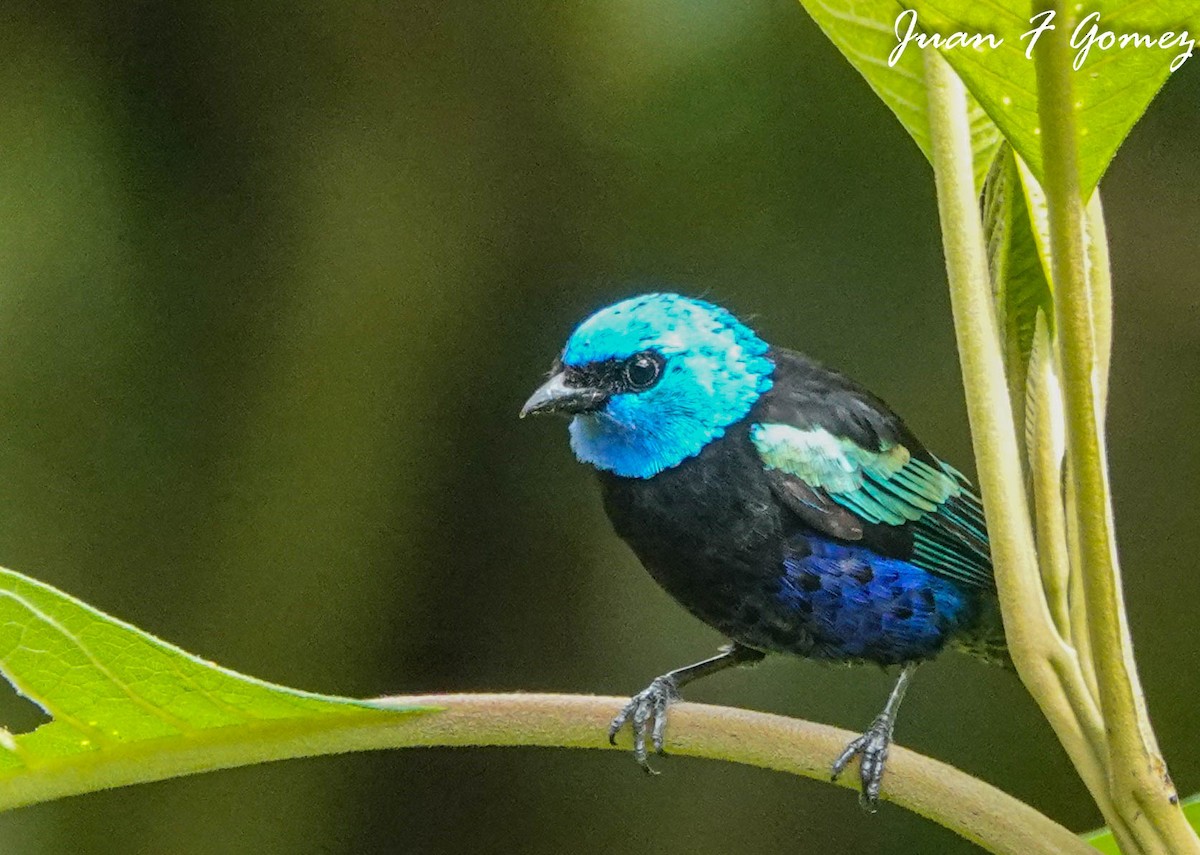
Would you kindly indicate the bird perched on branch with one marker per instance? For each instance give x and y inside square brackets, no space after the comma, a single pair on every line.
[776,500]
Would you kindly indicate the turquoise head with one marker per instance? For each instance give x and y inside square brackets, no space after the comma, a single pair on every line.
[651,380]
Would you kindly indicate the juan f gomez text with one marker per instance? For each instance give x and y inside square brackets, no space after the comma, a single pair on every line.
[1089,34]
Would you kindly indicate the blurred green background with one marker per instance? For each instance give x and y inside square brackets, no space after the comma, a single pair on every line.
[275,280]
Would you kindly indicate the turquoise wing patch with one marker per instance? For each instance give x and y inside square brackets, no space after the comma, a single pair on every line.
[885,486]
[889,487]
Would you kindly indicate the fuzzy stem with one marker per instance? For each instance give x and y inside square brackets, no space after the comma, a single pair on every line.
[1045,664]
[976,810]
[1139,785]
[1043,413]
[1080,637]
[1099,279]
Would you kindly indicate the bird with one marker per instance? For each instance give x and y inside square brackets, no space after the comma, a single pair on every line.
[776,500]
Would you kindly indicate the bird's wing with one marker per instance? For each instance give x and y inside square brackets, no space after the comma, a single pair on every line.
[847,467]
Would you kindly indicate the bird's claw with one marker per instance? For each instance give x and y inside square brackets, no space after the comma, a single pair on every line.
[872,750]
[646,713]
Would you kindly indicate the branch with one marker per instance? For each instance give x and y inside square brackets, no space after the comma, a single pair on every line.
[976,810]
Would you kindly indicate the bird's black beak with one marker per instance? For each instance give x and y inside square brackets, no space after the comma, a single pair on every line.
[555,396]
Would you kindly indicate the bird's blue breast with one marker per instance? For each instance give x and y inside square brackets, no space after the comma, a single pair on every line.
[857,604]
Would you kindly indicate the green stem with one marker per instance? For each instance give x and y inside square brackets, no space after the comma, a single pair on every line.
[1043,414]
[1045,449]
[1099,279]
[974,809]
[1046,666]
[1080,637]
[1139,786]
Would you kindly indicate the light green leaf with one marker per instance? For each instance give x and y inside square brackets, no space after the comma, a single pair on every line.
[127,707]
[1018,257]
[864,31]
[1112,87]
[1103,839]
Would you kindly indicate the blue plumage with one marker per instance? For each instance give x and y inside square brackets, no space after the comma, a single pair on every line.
[775,499]
[864,606]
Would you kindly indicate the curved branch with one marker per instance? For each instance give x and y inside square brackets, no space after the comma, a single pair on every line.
[976,810]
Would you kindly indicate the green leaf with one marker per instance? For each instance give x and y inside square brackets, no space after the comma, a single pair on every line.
[1112,87]
[1018,257]
[1103,839]
[127,707]
[864,31]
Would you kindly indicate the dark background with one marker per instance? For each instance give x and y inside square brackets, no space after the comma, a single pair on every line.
[275,280]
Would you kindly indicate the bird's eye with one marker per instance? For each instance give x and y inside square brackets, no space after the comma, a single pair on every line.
[642,370]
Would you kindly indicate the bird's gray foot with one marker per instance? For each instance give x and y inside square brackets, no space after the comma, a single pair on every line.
[646,713]
[872,750]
